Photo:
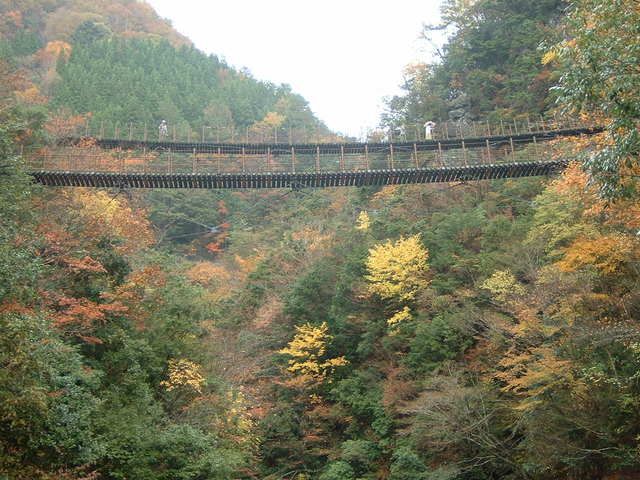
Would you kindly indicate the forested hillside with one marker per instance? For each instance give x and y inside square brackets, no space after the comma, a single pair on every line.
[467,331]
[490,66]
[118,63]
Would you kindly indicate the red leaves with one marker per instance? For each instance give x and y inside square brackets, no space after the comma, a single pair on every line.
[222,208]
[142,286]
[86,264]
[216,246]
[15,307]
[80,316]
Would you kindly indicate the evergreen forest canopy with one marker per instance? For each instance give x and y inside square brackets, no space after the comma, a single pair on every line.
[144,81]
[490,66]
[116,62]
[455,332]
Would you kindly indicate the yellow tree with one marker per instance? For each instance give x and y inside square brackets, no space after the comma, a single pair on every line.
[184,375]
[397,273]
[502,285]
[397,270]
[308,353]
[269,124]
[363,221]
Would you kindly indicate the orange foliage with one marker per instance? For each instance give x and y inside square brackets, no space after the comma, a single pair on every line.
[249,264]
[53,51]
[207,273]
[221,280]
[80,316]
[267,313]
[86,264]
[573,180]
[105,216]
[217,244]
[535,373]
[139,285]
[64,124]
[339,199]
[607,253]
[32,96]
[57,243]
[311,238]
[132,17]
[15,307]
[11,22]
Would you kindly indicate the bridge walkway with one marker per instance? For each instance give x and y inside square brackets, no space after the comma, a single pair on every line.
[139,164]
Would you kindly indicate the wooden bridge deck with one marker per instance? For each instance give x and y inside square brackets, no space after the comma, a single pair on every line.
[82,162]
[298,180]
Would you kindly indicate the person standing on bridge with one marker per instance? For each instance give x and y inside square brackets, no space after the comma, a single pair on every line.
[163,131]
[428,128]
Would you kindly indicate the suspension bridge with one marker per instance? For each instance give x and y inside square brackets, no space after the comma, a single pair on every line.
[80,161]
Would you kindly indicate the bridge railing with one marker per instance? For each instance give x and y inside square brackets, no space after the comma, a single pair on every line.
[300,158]
[443,130]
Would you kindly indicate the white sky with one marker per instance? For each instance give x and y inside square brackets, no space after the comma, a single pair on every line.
[343,56]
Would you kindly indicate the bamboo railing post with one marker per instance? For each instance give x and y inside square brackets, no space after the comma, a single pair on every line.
[145,159]
[391,156]
[268,159]
[440,155]
[194,162]
[513,151]
[464,154]
[415,155]
[218,160]
[244,159]
[488,151]
[293,159]
[366,155]
[342,157]
[317,158]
